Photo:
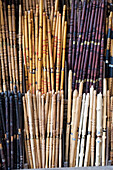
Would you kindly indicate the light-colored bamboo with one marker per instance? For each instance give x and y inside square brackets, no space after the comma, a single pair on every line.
[61,129]
[104,121]
[40,45]
[57,129]
[54,131]
[88,142]
[68,116]
[93,130]
[99,129]
[84,131]
[43,132]
[27,133]
[80,129]
[46,109]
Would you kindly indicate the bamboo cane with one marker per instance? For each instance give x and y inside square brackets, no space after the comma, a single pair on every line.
[88,142]
[68,117]
[44,52]
[99,129]
[46,109]
[84,131]
[111,151]
[40,45]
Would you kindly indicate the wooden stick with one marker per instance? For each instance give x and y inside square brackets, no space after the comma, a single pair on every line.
[43,133]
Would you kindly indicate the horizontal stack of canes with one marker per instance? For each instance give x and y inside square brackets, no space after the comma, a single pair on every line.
[56,78]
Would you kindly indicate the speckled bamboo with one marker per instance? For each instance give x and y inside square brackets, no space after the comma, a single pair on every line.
[63,57]
[14,45]
[36,43]
[48,67]
[44,53]
[27,43]
[30,50]
[33,55]
[68,117]
[58,63]
[50,53]
[40,44]
[4,46]
[11,44]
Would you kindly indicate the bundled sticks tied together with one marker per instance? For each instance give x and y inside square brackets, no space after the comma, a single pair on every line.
[57,57]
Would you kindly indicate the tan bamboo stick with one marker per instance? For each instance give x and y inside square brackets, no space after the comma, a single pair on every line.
[8,47]
[54,20]
[26,150]
[42,81]
[84,130]
[68,116]
[99,129]
[48,132]
[31,127]
[11,44]
[27,44]
[88,142]
[55,39]
[51,130]
[37,105]
[75,94]
[54,131]
[30,4]
[30,50]
[93,130]
[20,47]
[57,129]
[44,53]
[58,55]
[80,129]
[27,133]
[51,17]
[24,54]
[40,122]
[36,43]
[104,120]
[14,44]
[45,5]
[27,5]
[111,151]
[46,109]
[40,45]
[61,129]
[50,53]
[48,67]
[24,6]
[4,45]
[108,128]
[43,132]
[2,63]
[63,56]
[38,157]
[33,54]
[75,127]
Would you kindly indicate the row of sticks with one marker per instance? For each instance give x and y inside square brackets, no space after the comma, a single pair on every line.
[11,130]
[88,132]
